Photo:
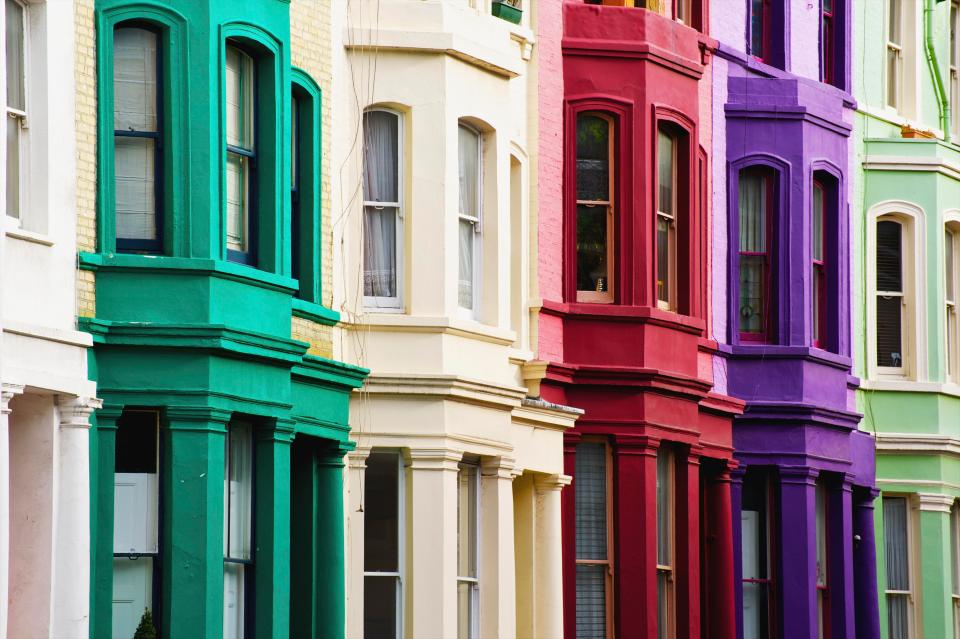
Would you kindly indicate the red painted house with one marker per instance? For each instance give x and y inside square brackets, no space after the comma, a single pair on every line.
[624,323]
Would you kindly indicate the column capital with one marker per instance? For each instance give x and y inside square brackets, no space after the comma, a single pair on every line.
[435,459]
[278,430]
[9,391]
[75,411]
[502,467]
[693,454]
[543,483]
[798,475]
[197,418]
[934,502]
[636,444]
[357,458]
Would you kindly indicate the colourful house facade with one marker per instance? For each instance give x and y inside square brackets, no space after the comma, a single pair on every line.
[906,209]
[206,262]
[803,518]
[624,236]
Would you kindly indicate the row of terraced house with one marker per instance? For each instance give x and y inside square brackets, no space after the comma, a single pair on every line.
[559,319]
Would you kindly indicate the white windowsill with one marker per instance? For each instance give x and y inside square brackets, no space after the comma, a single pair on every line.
[12,229]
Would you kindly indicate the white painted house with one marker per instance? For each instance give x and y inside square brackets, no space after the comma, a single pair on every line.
[47,398]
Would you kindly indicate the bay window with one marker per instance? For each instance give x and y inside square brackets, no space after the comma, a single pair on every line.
[470,163]
[890,300]
[382,208]
[595,230]
[667,212]
[15,41]
[894,53]
[819,272]
[593,540]
[382,578]
[758,557]
[666,527]
[136,533]
[468,532]
[241,157]
[896,542]
[823,571]
[755,203]
[238,529]
[137,131]
[951,247]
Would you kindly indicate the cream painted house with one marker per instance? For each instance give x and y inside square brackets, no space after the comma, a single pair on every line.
[453,496]
[46,397]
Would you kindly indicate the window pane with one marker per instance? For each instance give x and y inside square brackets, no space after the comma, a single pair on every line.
[380,251]
[380,156]
[590,497]
[380,599]
[135,171]
[755,607]
[954,541]
[752,289]
[663,259]
[663,605]
[381,511]
[948,246]
[466,610]
[132,593]
[239,88]
[818,201]
[15,56]
[134,79]
[593,158]
[591,600]
[819,290]
[294,142]
[469,171]
[136,484]
[893,77]
[665,172]
[953,35]
[237,177]
[238,491]
[753,211]
[467,521]
[895,543]
[233,600]
[893,17]
[13,167]
[821,506]
[467,234]
[592,268]
[889,256]
[889,331]
[756,28]
[664,507]
[754,556]
[897,617]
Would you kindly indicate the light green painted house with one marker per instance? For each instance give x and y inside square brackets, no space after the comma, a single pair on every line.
[216,460]
[907,252]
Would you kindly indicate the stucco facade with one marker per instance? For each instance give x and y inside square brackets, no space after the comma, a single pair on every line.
[909,174]
[783,120]
[453,389]
[46,396]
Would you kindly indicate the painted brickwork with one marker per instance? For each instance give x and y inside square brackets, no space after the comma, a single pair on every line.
[86,90]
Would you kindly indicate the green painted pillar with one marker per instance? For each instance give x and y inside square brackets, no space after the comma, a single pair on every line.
[193,522]
[331,581]
[272,530]
[102,457]
[936,583]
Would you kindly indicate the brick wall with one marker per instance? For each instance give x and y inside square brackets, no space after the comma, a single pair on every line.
[310,50]
[85,73]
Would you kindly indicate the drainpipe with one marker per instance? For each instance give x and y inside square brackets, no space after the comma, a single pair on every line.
[931,56]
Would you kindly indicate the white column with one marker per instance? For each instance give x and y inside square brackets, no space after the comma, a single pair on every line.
[498,601]
[549,570]
[356,470]
[71,570]
[432,592]
[8,393]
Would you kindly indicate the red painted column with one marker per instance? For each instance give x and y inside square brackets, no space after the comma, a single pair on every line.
[721,601]
[635,496]
[568,524]
[687,544]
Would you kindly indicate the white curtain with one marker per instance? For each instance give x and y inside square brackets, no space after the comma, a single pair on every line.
[239,491]
[381,195]
[753,214]
[135,187]
[134,80]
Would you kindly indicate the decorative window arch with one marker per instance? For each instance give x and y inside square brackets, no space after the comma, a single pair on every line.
[895,299]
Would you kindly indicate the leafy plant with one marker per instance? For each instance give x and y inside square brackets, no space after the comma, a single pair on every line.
[146,630]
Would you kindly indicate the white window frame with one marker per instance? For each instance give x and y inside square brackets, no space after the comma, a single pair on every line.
[474,632]
[951,326]
[912,557]
[895,48]
[401,540]
[477,222]
[913,341]
[17,117]
[375,303]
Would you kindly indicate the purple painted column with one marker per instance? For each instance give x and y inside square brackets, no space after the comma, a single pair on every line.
[865,568]
[736,507]
[840,547]
[798,556]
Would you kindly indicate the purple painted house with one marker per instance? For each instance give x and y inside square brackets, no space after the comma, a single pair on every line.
[803,493]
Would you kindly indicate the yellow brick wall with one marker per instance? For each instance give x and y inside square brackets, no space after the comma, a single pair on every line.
[85,78]
[310,50]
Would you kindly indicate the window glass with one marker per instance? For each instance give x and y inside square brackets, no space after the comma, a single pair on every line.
[469,214]
[666,219]
[591,507]
[240,148]
[754,198]
[16,103]
[955,564]
[827,43]
[819,275]
[823,598]
[894,53]
[665,531]
[237,524]
[758,27]
[756,560]
[950,300]
[382,579]
[896,552]
[468,585]
[889,293]
[594,208]
[381,195]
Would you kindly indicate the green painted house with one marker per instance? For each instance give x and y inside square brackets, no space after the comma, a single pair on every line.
[907,252]
[216,460]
